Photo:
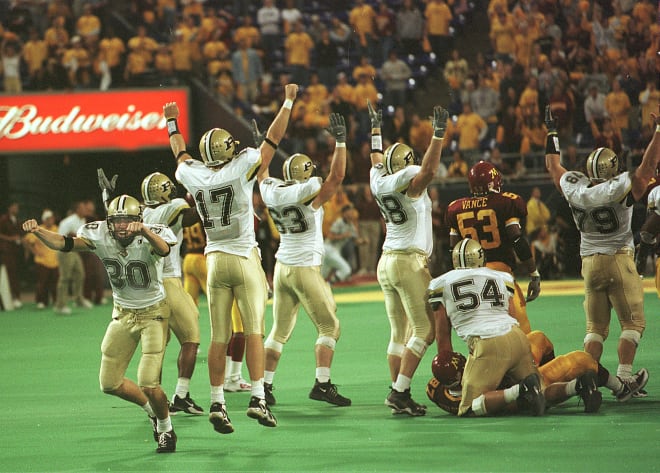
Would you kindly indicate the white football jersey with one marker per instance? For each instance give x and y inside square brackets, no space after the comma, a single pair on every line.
[224,201]
[135,271]
[601,212]
[407,220]
[653,204]
[300,226]
[476,300]
[169,214]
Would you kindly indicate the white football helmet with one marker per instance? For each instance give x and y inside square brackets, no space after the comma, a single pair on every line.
[123,208]
[217,147]
[157,189]
[468,253]
[298,167]
[602,164]
[397,157]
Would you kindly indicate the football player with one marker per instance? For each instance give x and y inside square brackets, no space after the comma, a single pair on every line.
[476,301]
[296,206]
[492,218]
[400,189]
[194,282]
[132,253]
[649,235]
[222,184]
[162,207]
[602,206]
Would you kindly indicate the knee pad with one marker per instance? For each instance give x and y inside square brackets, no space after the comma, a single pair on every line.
[632,336]
[327,342]
[395,349]
[593,338]
[417,346]
[479,406]
[271,344]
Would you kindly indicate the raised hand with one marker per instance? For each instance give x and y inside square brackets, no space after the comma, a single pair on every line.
[290,91]
[256,134]
[104,183]
[533,288]
[440,117]
[376,116]
[550,121]
[30,226]
[337,127]
[171,110]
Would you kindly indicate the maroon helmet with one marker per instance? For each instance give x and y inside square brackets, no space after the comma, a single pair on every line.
[484,178]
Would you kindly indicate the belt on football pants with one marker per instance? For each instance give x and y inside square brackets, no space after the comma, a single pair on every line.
[142,310]
[626,250]
[408,251]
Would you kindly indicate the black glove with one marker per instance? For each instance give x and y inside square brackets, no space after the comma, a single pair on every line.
[550,121]
[104,183]
[376,117]
[256,134]
[440,116]
[533,288]
[337,127]
[643,250]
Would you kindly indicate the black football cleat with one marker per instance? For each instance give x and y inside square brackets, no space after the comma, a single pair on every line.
[219,418]
[587,387]
[258,409]
[530,393]
[166,442]
[328,392]
[268,393]
[403,403]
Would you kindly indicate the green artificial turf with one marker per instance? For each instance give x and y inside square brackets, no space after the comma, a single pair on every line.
[54,417]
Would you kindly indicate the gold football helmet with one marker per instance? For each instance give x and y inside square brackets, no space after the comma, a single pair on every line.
[397,157]
[123,209]
[602,164]
[157,188]
[217,147]
[298,167]
[468,253]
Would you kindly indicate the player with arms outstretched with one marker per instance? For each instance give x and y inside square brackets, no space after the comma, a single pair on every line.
[222,184]
[602,206]
[296,206]
[400,189]
[132,253]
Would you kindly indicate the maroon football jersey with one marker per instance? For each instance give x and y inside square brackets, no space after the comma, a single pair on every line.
[484,219]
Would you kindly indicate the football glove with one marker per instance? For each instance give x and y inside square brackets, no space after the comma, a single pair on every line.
[440,116]
[376,116]
[337,127]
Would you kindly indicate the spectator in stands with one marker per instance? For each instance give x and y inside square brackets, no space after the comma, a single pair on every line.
[11,250]
[419,135]
[340,32]
[111,50]
[136,72]
[266,104]
[509,136]
[395,73]
[471,130]
[648,99]
[10,66]
[247,70]
[290,16]
[544,250]
[455,71]
[606,135]
[594,109]
[410,27]
[362,20]
[143,45]
[533,138]
[529,99]
[248,31]
[35,52]
[88,26]
[182,56]
[315,27]
[268,20]
[60,8]
[458,167]
[327,58]
[53,76]
[363,91]
[485,103]
[299,47]
[369,228]
[502,31]
[317,90]
[364,66]
[618,108]
[344,236]
[562,104]
[385,24]
[225,86]
[45,262]
[438,19]
[498,161]
[78,63]
[397,128]
[164,65]
[538,214]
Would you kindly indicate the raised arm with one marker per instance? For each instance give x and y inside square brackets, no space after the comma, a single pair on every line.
[160,246]
[552,153]
[646,170]
[107,186]
[376,117]
[55,241]
[276,131]
[177,143]
[338,164]
[431,159]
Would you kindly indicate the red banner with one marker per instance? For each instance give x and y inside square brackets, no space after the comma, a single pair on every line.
[113,120]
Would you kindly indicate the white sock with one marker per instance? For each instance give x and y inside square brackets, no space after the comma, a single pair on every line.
[227,367]
[235,369]
[512,393]
[182,387]
[257,389]
[614,383]
[268,376]
[402,383]
[218,394]
[624,371]
[323,374]
[570,388]
[164,425]
[147,408]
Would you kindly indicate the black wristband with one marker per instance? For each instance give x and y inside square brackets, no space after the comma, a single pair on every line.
[552,144]
[68,244]
[271,142]
[376,150]
[172,127]
[181,153]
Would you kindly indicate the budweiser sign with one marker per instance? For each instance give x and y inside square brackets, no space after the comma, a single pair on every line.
[125,120]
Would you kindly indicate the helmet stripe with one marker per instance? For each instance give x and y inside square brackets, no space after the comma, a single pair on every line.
[207,145]
[287,169]
[461,253]
[388,159]
[594,163]
[121,204]
[145,187]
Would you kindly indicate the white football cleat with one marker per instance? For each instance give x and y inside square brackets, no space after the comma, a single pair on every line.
[237,385]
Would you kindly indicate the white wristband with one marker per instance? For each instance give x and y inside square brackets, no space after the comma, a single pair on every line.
[657,128]
[288,103]
[535,274]
[340,145]
[376,142]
